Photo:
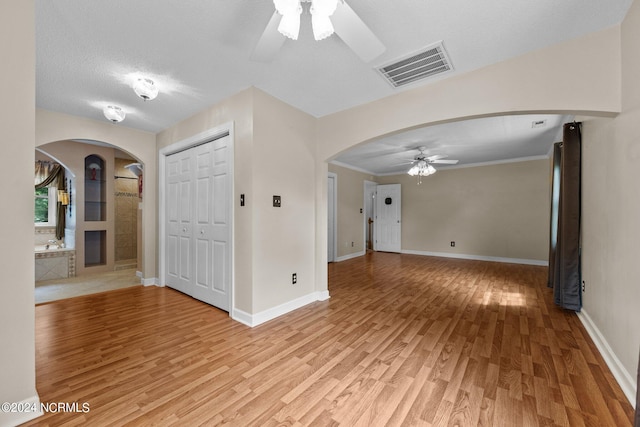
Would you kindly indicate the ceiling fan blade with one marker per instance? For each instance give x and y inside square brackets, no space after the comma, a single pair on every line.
[436,157]
[445,162]
[355,33]
[270,41]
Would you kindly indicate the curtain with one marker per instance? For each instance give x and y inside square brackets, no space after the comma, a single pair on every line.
[564,251]
[47,173]
[42,171]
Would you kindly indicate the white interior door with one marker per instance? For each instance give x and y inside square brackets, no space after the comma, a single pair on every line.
[198,212]
[388,221]
[178,220]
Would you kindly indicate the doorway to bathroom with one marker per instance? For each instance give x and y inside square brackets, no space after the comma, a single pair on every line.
[100,248]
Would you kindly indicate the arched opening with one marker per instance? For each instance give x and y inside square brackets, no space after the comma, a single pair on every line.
[456,212]
[103,241]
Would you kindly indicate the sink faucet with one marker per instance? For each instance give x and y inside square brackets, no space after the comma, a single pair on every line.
[53,242]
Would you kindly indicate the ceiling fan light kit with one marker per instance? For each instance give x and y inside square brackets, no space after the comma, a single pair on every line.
[290,22]
[327,17]
[423,165]
[320,10]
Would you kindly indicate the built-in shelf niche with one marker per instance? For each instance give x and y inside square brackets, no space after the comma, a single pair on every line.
[95,193]
[95,248]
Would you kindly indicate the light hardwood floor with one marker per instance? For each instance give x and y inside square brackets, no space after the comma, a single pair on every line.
[404,340]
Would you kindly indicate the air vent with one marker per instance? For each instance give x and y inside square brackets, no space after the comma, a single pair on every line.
[418,66]
[538,124]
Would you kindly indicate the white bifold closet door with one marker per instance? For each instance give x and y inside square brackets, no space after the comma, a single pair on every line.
[198,230]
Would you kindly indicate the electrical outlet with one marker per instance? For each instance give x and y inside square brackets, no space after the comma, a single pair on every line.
[584,286]
[453,244]
[294,278]
[277,201]
[351,244]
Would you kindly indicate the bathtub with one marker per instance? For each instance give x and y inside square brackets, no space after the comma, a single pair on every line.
[54,263]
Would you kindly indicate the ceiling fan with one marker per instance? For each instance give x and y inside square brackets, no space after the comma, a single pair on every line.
[423,164]
[326,19]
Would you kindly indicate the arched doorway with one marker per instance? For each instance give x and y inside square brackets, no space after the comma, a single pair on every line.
[102,244]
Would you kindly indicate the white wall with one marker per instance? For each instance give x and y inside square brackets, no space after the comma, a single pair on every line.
[17,121]
[611,218]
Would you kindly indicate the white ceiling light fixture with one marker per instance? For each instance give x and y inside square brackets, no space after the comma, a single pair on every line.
[320,10]
[145,89]
[290,22]
[327,17]
[114,113]
[420,169]
[422,165]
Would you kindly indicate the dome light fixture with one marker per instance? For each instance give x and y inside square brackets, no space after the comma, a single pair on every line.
[145,89]
[114,113]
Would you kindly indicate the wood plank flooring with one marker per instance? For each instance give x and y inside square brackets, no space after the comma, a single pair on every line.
[404,340]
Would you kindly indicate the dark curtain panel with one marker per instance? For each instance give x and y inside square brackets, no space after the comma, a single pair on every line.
[555,202]
[564,261]
[57,176]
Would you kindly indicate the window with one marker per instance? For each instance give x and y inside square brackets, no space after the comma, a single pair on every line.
[45,206]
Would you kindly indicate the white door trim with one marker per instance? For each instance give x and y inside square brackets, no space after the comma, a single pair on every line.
[185,144]
[334,176]
[368,186]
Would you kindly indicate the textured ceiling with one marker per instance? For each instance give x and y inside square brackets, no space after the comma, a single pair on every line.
[198,51]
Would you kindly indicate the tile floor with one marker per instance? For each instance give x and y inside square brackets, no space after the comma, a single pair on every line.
[53,290]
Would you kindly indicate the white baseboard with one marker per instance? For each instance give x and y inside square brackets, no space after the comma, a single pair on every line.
[150,281]
[11,419]
[350,256]
[478,257]
[139,274]
[271,313]
[624,378]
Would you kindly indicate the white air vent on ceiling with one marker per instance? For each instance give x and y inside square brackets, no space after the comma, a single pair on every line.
[418,66]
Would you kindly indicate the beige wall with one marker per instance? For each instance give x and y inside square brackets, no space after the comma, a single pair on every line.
[611,213]
[51,127]
[283,238]
[496,211]
[350,221]
[17,121]
[560,78]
